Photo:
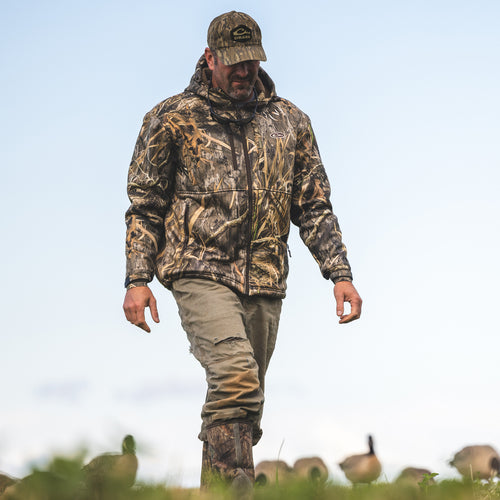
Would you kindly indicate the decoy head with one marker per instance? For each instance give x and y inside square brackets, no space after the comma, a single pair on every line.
[128,445]
[315,474]
[495,465]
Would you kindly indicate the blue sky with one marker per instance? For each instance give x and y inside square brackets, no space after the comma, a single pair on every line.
[404,101]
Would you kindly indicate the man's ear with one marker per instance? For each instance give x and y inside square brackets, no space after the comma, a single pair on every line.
[210,58]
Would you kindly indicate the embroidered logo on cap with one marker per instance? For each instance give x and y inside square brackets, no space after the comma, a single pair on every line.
[241,33]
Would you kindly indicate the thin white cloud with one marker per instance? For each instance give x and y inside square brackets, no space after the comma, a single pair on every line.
[70,390]
[152,391]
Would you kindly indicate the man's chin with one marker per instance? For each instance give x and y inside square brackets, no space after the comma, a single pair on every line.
[241,94]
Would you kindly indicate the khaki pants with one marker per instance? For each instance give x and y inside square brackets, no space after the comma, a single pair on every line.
[233,337]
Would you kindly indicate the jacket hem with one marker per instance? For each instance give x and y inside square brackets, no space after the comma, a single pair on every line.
[238,287]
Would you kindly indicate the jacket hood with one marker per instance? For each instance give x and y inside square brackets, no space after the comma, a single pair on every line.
[201,80]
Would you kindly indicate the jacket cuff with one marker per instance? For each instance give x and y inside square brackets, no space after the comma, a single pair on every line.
[341,278]
[135,283]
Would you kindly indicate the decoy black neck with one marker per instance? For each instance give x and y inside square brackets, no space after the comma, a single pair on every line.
[370,446]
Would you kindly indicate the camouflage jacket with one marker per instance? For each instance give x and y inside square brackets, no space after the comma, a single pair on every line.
[214,199]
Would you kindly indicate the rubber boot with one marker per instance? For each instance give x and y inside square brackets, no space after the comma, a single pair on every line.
[206,468]
[229,455]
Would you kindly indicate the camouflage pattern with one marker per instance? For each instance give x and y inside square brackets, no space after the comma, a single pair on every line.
[235,37]
[215,201]
[229,450]
[206,467]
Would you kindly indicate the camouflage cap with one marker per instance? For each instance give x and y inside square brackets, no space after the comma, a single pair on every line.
[235,37]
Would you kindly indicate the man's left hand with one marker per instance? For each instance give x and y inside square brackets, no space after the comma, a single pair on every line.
[344,291]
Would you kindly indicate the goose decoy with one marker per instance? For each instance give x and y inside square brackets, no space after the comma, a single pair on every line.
[311,468]
[114,468]
[38,485]
[272,472]
[412,476]
[362,468]
[6,481]
[477,462]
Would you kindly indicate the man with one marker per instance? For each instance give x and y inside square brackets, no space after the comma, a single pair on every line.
[217,174]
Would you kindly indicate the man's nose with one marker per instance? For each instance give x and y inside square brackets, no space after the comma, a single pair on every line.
[242,68]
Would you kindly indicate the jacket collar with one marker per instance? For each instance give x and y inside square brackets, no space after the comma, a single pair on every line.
[202,77]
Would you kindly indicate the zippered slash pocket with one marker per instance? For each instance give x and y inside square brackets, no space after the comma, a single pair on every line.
[186,228]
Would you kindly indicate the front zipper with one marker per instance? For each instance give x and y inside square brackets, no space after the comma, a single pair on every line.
[250,195]
[250,209]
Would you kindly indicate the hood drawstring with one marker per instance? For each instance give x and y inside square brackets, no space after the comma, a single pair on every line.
[238,121]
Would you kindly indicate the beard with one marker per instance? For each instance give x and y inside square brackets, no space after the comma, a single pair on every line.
[241,90]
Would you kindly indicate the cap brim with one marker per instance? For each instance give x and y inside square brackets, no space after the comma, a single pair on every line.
[235,55]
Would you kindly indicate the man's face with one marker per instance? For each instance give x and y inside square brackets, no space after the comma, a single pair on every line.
[237,80]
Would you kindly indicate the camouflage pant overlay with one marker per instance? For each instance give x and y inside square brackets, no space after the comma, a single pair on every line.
[233,337]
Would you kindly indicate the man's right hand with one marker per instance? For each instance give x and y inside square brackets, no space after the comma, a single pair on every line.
[136,301]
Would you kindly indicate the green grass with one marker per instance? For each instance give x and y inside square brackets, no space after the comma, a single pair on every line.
[62,480]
